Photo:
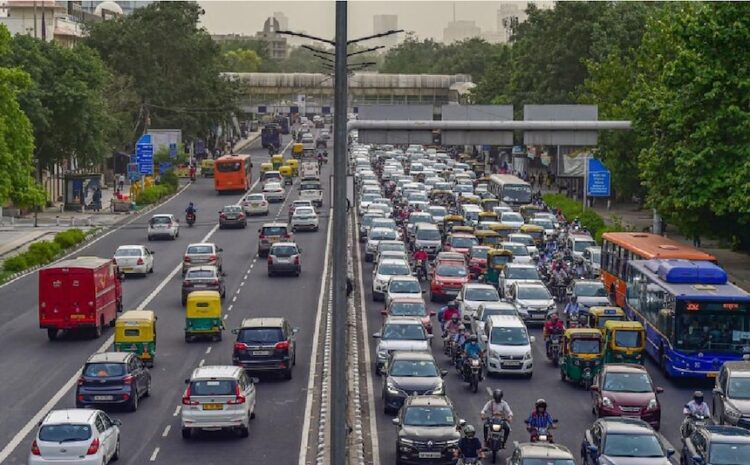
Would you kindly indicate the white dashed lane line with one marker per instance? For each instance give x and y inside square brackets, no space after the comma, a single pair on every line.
[177,410]
[202,362]
[166,431]
[225,316]
[208,349]
[153,456]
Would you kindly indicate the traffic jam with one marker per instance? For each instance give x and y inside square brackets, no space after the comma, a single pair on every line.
[466,265]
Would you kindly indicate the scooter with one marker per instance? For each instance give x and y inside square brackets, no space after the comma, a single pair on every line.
[190,219]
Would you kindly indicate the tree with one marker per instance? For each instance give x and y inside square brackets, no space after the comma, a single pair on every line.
[494,84]
[412,56]
[16,136]
[241,60]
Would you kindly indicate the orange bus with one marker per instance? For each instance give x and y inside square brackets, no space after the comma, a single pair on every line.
[620,247]
[232,173]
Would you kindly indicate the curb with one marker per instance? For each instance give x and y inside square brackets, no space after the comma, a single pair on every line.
[241,145]
[92,236]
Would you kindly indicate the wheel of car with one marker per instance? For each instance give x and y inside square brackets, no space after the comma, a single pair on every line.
[584,459]
[52,333]
[151,270]
[186,433]
[243,431]
[116,454]
[150,238]
[98,329]
[562,375]
[133,402]
[288,373]
[294,230]
[297,273]
[183,300]
[148,388]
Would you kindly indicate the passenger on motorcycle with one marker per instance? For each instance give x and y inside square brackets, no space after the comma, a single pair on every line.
[469,446]
[540,418]
[420,258]
[552,326]
[578,269]
[447,313]
[454,327]
[497,408]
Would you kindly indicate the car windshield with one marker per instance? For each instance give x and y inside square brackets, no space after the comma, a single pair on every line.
[283,250]
[415,218]
[479,252]
[213,387]
[384,234]
[232,209]
[581,245]
[369,218]
[628,339]
[274,230]
[428,416]
[498,311]
[531,461]
[64,433]
[272,186]
[523,239]
[533,293]
[199,274]
[482,295]
[632,445]
[315,186]
[102,370]
[585,346]
[260,335]
[596,257]
[546,224]
[595,289]
[160,220]
[369,197]
[128,253]
[408,309]
[384,223]
[304,211]
[403,332]
[463,188]
[728,453]
[511,216]
[438,211]
[404,287]
[509,336]
[463,242]
[426,234]
[519,250]
[414,368]
[393,269]
[392,246]
[255,198]
[627,382]
[521,273]
[738,388]
[451,271]
[200,249]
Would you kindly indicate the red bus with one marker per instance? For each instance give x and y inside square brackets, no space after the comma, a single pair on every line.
[620,247]
[232,173]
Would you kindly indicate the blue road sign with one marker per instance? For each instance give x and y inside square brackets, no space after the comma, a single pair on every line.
[164,166]
[518,150]
[144,155]
[599,179]
[173,150]
[326,110]
[261,109]
[133,173]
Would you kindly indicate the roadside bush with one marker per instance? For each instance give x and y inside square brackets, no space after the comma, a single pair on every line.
[169,178]
[42,252]
[15,264]
[69,238]
[589,218]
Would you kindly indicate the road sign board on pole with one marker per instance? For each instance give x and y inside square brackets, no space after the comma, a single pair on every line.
[598,179]
[144,155]
[172,150]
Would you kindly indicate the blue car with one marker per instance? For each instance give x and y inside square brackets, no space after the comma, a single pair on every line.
[623,441]
[715,445]
[113,378]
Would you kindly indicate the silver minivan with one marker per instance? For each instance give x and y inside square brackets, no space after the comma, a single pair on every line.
[427,237]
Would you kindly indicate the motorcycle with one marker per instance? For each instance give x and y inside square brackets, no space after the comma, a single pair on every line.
[469,461]
[553,348]
[190,219]
[693,421]
[420,270]
[472,373]
[495,436]
[541,434]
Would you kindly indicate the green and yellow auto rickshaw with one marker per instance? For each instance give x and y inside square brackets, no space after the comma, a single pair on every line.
[487,217]
[207,168]
[535,231]
[488,205]
[450,221]
[504,230]
[135,331]
[497,259]
[294,165]
[298,150]
[581,357]
[528,211]
[277,161]
[487,237]
[265,167]
[203,316]
[286,174]
[598,316]
[625,342]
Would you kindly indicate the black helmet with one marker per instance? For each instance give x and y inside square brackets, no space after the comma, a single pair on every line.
[540,403]
[454,318]
[469,431]
[473,338]
[497,395]
[698,396]
[452,304]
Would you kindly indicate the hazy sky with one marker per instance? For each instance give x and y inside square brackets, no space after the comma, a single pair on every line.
[425,18]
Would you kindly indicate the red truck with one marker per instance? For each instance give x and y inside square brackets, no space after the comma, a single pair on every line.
[82,294]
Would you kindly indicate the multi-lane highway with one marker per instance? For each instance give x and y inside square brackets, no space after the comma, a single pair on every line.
[38,374]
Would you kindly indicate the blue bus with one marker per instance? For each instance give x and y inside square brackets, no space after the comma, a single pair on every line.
[695,320]
[283,122]
[270,136]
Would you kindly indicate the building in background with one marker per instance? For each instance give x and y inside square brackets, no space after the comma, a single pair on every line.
[461,29]
[282,19]
[127,6]
[385,23]
[509,15]
[277,46]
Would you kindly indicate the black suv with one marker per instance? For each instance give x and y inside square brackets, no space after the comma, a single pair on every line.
[113,378]
[203,278]
[709,445]
[428,431]
[265,344]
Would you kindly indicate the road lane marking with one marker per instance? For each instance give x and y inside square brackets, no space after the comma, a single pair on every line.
[242,283]
[153,456]
[314,358]
[234,299]
[166,431]
[56,397]
[231,306]
[208,350]
[177,410]
[202,362]
[225,316]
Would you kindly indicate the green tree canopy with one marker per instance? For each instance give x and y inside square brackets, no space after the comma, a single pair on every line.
[241,60]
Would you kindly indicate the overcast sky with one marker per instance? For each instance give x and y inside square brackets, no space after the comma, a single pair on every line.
[425,18]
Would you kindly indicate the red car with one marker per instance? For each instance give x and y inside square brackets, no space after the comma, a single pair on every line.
[461,243]
[625,390]
[448,278]
[410,306]
[478,260]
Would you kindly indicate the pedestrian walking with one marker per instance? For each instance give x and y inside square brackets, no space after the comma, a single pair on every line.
[121,182]
[97,199]
[696,240]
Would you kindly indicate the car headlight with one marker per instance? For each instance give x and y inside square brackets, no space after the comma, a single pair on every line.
[652,405]
[439,391]
[495,354]
[607,402]
[527,356]
[391,388]
[406,441]
[732,412]
[382,353]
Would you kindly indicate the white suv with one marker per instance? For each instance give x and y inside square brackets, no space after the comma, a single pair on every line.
[508,346]
[85,436]
[218,397]
[163,225]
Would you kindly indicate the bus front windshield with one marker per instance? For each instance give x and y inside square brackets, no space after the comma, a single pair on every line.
[517,193]
[712,330]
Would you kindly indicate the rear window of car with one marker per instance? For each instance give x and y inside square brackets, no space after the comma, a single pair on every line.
[161,220]
[193,274]
[200,249]
[64,433]
[232,209]
[128,253]
[284,251]
[260,335]
[213,387]
[274,230]
[103,370]
[255,198]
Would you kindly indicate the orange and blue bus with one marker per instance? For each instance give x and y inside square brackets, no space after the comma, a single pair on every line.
[232,173]
[618,248]
[694,319]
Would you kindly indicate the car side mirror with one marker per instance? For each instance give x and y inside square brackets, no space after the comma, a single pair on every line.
[236,331]
[670,452]
[255,380]
[396,421]
[116,422]
[461,423]
[532,339]
[258,229]
[659,389]
[220,249]
[443,373]
[555,420]
[697,459]
[432,313]
[187,380]
[295,330]
[377,335]
[223,273]
[384,312]
[719,392]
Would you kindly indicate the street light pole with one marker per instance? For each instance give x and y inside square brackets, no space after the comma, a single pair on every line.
[340,142]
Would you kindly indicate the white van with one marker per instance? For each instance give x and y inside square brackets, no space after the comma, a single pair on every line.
[507,346]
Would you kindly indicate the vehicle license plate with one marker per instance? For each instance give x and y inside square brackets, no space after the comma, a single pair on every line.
[511,364]
[213,407]
[200,285]
[538,316]
[127,269]
[711,374]
[102,398]
[262,352]
[77,317]
[430,455]
[255,205]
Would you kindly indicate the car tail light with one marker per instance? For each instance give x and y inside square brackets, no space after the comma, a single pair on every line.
[139,262]
[285,236]
[240,346]
[222,216]
[215,282]
[186,398]
[186,259]
[296,259]
[81,381]
[270,259]
[238,397]
[241,215]
[212,258]
[283,345]
[261,236]
[128,379]
[187,284]
[35,448]
[94,447]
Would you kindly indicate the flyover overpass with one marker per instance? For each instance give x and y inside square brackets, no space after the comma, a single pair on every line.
[276,89]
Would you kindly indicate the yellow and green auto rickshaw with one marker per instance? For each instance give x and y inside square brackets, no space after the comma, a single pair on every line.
[451,221]
[207,168]
[477,167]
[489,204]
[598,316]
[297,150]
[535,231]
[440,196]
[497,259]
[625,342]
[527,211]
[265,167]
[581,357]
[487,237]
[504,230]
[286,174]
[462,229]
[487,217]
[203,316]
[294,165]
[135,331]
[277,160]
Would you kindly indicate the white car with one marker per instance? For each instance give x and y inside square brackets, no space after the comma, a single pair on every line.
[403,333]
[382,274]
[304,218]
[520,252]
[274,192]
[517,272]
[218,397]
[403,286]
[255,204]
[526,240]
[472,295]
[135,259]
[533,298]
[373,239]
[508,346]
[76,436]
[163,225]
[511,218]
[489,309]
[384,246]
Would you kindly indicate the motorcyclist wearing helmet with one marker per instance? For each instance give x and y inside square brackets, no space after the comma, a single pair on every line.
[420,258]
[497,408]
[539,418]
[191,209]
[454,325]
[697,406]
[447,313]
[571,309]
[552,326]
[469,446]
